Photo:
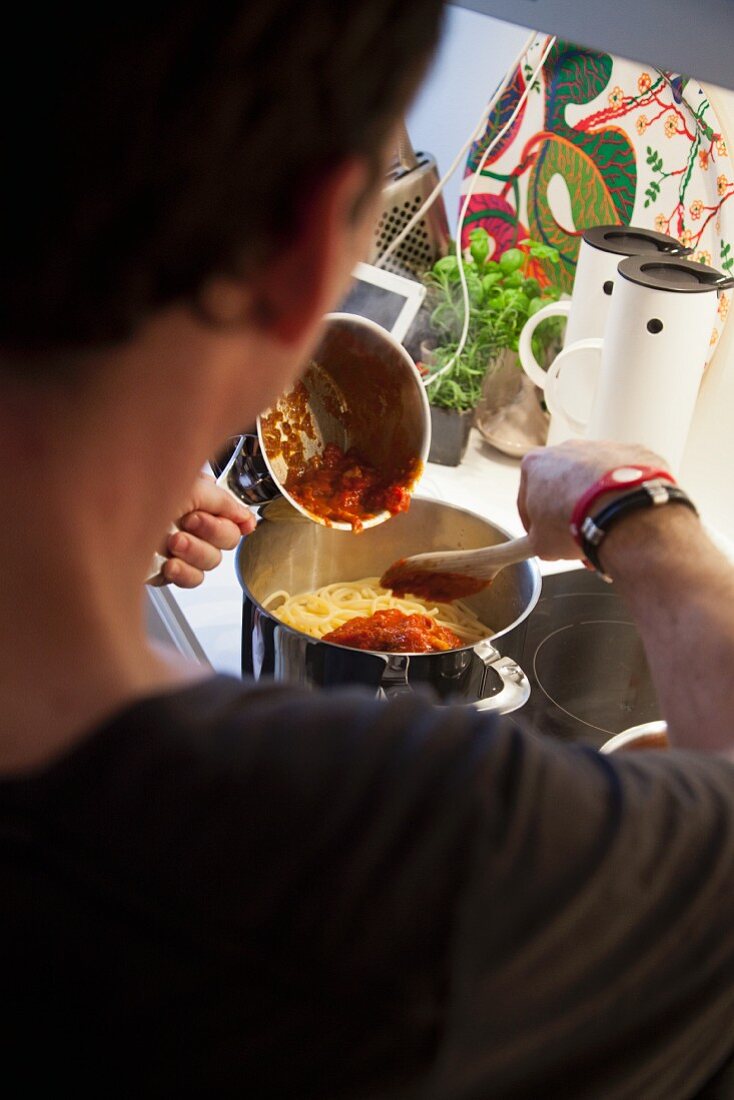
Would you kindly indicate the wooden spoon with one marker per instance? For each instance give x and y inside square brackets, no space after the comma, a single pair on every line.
[446,575]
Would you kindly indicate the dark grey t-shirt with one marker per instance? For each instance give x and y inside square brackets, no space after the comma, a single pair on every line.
[263,892]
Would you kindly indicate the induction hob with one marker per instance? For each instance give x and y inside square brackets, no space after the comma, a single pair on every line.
[587,668]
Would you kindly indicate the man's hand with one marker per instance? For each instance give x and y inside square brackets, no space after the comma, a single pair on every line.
[554,478]
[211,521]
[677,586]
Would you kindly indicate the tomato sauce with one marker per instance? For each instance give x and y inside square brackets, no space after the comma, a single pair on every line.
[393,631]
[343,487]
[441,587]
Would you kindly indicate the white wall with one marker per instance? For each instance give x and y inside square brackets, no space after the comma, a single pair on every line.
[474,54]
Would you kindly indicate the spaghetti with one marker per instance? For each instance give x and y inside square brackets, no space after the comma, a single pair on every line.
[325,609]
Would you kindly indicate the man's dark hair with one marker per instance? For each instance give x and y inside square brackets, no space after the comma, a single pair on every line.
[146,151]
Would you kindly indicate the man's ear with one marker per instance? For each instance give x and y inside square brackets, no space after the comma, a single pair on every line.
[306,276]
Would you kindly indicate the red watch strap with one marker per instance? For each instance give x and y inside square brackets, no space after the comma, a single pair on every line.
[621,477]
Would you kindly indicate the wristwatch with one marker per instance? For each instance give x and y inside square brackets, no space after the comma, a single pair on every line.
[647,488]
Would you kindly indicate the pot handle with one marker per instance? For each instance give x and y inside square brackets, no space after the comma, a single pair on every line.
[245,475]
[515,684]
[394,680]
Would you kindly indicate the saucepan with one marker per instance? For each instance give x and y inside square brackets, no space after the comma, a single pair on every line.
[287,552]
[650,735]
[361,391]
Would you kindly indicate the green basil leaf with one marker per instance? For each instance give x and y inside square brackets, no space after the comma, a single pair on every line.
[511,260]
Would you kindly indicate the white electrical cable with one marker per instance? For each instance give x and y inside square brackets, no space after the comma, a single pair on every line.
[465,206]
[474,136]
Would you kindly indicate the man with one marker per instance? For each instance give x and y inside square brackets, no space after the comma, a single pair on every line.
[211,888]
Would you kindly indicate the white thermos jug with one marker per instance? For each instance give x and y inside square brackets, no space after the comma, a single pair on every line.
[653,355]
[602,247]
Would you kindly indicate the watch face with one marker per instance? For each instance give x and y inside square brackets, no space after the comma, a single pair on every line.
[624,474]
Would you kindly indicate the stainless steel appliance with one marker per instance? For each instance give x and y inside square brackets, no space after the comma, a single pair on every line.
[299,556]
[410,180]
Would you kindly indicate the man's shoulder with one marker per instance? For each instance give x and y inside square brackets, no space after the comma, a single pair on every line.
[259,758]
[238,723]
[225,795]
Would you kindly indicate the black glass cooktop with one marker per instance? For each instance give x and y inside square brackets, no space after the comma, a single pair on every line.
[585,662]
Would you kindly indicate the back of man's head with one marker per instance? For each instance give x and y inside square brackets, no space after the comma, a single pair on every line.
[149,148]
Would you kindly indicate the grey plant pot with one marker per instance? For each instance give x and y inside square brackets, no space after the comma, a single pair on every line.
[449,435]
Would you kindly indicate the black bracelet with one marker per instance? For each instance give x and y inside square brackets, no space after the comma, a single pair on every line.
[650,495]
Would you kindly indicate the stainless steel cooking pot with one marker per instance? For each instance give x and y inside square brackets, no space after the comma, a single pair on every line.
[288,552]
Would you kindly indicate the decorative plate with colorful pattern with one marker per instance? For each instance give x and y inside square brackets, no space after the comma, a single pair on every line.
[599,141]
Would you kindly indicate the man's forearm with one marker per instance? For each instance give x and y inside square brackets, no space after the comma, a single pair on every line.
[680,589]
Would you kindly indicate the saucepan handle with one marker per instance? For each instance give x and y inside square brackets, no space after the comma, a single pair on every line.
[394,680]
[243,475]
[515,684]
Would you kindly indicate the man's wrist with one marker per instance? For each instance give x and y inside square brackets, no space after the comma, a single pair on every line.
[651,494]
[648,540]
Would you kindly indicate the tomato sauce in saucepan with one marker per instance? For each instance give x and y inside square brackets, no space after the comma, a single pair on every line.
[393,631]
[343,487]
